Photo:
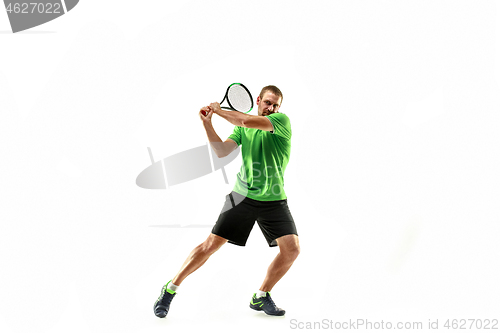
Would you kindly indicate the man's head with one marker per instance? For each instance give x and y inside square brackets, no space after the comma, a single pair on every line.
[269,100]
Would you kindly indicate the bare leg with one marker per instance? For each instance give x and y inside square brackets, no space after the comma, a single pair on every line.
[198,257]
[289,250]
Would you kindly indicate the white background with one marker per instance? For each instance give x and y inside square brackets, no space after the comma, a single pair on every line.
[393,180]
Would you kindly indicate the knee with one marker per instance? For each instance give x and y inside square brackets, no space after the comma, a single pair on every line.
[208,247]
[296,252]
[292,253]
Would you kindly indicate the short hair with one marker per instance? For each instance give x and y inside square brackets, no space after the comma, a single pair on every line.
[275,90]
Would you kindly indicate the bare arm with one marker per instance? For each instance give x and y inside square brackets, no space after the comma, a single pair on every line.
[221,148]
[241,119]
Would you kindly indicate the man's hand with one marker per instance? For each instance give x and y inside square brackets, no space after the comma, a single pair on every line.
[206,114]
[216,108]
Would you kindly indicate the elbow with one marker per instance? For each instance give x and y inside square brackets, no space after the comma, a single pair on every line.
[221,154]
[221,149]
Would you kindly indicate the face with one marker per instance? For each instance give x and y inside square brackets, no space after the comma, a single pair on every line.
[270,103]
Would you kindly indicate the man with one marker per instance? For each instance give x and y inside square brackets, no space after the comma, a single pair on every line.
[258,195]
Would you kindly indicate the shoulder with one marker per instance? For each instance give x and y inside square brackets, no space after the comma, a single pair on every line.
[279,116]
[279,119]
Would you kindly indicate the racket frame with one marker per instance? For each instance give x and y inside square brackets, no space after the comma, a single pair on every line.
[228,102]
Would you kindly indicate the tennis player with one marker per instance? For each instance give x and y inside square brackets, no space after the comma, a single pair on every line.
[258,195]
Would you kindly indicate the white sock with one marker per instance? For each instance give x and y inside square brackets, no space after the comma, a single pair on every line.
[260,293]
[172,286]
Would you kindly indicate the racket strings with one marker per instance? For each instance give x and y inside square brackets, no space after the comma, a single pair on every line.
[239,98]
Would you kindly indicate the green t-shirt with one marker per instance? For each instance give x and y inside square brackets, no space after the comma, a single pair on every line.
[265,157]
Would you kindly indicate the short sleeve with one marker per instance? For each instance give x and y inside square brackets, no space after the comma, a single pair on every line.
[236,136]
[281,125]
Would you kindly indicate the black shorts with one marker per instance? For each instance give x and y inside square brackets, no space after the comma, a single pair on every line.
[240,213]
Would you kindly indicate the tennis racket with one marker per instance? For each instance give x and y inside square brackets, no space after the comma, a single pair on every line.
[238,98]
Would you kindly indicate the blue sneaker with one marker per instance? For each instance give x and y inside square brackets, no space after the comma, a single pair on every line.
[162,305]
[266,304]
